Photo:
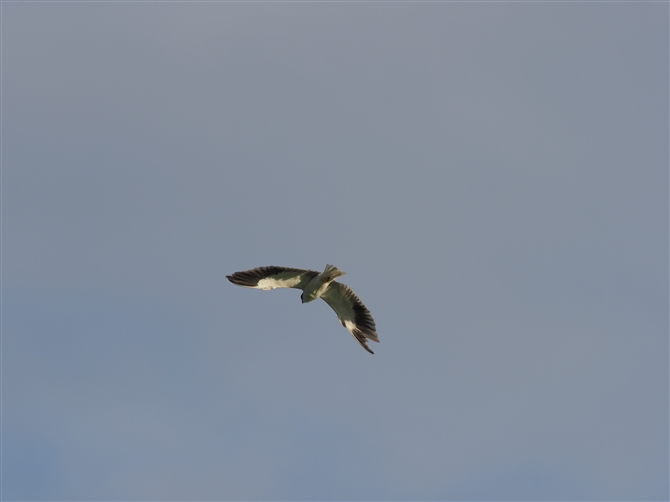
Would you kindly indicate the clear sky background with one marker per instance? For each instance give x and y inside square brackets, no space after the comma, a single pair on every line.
[493,177]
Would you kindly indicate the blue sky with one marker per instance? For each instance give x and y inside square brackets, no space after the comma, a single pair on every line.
[493,177]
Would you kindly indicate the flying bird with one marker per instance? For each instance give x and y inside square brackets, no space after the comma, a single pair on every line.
[349,308]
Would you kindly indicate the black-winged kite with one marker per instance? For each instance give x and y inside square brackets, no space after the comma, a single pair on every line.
[349,308]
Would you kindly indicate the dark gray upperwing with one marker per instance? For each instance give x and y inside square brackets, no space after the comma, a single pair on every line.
[352,313]
[273,277]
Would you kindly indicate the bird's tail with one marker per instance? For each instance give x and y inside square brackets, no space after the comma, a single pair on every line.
[331,273]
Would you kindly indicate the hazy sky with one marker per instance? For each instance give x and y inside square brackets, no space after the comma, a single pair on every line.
[493,177]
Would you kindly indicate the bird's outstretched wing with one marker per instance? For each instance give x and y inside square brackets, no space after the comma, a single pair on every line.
[352,313]
[273,277]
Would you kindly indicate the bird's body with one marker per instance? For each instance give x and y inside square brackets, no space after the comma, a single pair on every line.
[320,283]
[349,309]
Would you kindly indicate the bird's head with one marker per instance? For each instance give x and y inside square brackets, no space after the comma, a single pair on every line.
[307,298]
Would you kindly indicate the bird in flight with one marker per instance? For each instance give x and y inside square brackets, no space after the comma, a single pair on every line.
[349,308]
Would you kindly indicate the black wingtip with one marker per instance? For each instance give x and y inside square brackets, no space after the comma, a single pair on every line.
[233,279]
[248,278]
[364,343]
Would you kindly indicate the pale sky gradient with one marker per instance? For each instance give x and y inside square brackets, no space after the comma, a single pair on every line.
[493,177]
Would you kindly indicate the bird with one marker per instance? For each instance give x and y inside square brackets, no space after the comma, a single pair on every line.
[350,310]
